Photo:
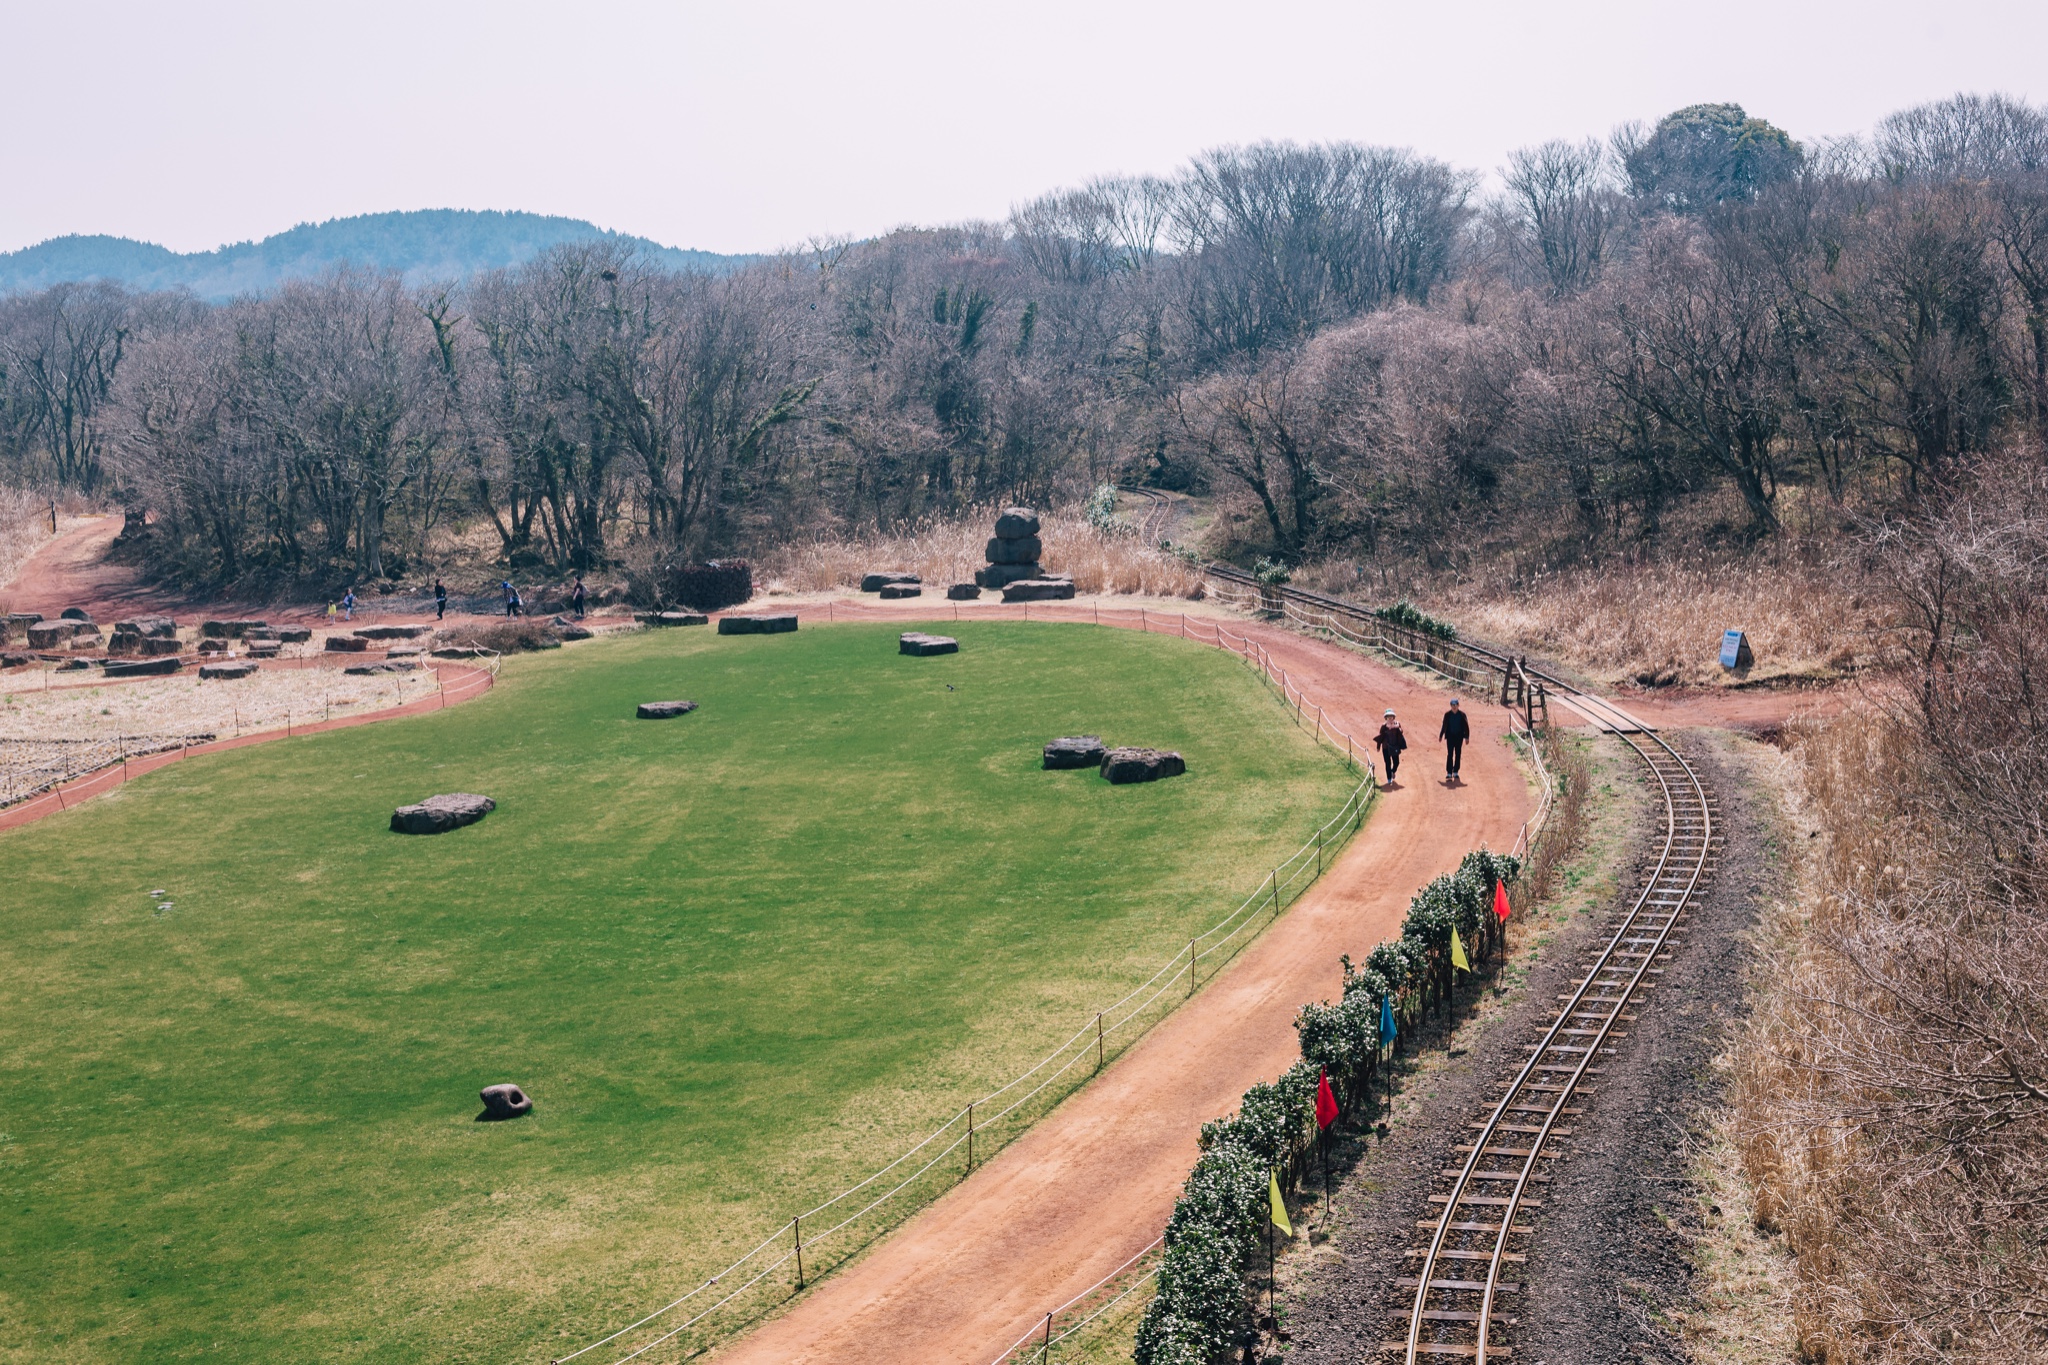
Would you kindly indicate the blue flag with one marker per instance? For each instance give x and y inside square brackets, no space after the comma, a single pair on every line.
[1387,1030]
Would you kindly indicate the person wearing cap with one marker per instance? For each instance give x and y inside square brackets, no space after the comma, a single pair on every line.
[1457,728]
[1391,742]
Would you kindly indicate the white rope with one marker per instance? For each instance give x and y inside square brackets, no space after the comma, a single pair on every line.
[1143,1252]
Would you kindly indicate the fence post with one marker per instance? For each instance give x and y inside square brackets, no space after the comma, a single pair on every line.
[970,1136]
[798,1223]
[1045,1352]
[1319,853]
[1191,966]
[1276,890]
[1098,1040]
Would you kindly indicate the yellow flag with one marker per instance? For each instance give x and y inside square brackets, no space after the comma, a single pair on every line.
[1458,958]
[1279,1206]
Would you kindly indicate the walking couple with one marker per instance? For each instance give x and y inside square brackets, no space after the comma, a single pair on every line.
[1455,730]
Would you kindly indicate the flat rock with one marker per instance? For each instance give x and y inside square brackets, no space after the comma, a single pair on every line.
[263,649]
[1002,575]
[294,635]
[963,592]
[439,814]
[387,666]
[74,665]
[75,614]
[875,582]
[213,646]
[239,669]
[1074,751]
[51,634]
[156,646]
[461,652]
[503,1102]
[672,618]
[1024,550]
[1039,590]
[124,642]
[918,643]
[404,652]
[229,630]
[162,627]
[348,644]
[393,632]
[1141,765]
[664,710]
[569,630]
[22,620]
[756,625]
[1017,522]
[14,661]
[143,668]
[893,591]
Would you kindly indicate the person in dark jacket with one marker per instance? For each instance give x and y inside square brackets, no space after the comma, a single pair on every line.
[440,600]
[1457,728]
[577,597]
[1391,742]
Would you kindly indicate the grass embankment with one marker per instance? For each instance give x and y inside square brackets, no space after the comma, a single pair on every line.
[739,959]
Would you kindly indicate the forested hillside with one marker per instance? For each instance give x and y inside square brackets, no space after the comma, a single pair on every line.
[1354,349]
[423,247]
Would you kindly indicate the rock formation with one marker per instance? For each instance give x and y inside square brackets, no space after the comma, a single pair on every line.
[1014,550]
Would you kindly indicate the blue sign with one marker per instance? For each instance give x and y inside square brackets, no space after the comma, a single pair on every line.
[1735,650]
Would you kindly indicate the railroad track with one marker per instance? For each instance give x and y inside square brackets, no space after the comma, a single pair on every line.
[1158,512]
[1483,1231]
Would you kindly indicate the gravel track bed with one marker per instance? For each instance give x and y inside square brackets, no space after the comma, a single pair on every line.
[1611,1261]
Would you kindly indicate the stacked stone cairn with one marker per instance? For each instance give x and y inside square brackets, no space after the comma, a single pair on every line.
[1013,563]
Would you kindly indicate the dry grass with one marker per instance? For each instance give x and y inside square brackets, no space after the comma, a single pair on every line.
[24,526]
[1658,622]
[949,551]
[184,705]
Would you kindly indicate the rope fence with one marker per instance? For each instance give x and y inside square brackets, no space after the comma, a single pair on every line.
[826,1234]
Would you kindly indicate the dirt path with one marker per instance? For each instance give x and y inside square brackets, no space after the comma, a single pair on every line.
[1092,1183]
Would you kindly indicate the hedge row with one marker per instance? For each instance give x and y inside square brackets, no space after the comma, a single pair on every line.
[1402,614]
[1202,1308]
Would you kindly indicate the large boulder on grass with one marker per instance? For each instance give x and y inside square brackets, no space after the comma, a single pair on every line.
[756,625]
[1075,751]
[439,814]
[875,582]
[918,643]
[503,1102]
[1017,522]
[1039,590]
[1141,765]
[664,710]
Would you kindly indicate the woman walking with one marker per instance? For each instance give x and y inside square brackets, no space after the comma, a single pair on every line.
[1391,742]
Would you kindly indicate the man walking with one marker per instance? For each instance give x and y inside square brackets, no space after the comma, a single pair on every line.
[440,599]
[1457,728]
[511,598]
[576,597]
[1391,742]
[348,605]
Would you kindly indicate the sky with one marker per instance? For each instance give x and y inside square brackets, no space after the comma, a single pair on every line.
[748,127]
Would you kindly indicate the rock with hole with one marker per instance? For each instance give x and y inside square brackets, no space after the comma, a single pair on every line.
[503,1102]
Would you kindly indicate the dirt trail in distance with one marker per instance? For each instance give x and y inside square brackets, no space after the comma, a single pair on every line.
[1088,1186]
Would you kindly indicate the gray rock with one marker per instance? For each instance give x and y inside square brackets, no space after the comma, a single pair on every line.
[295,635]
[387,666]
[213,646]
[156,646]
[231,670]
[143,668]
[918,643]
[76,614]
[123,642]
[894,591]
[1016,523]
[162,627]
[875,582]
[756,625]
[74,665]
[461,652]
[503,1102]
[50,634]
[672,618]
[1003,575]
[1074,751]
[404,652]
[229,630]
[569,630]
[348,644]
[1024,551]
[1039,590]
[963,592]
[393,632]
[664,710]
[1141,765]
[263,649]
[14,661]
[439,814]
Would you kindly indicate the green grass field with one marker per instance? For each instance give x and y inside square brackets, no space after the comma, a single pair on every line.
[738,959]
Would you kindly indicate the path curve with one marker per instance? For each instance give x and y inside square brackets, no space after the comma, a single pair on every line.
[1092,1183]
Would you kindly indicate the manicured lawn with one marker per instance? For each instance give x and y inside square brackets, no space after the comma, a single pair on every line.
[738,959]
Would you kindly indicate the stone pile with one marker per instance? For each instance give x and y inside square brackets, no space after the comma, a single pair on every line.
[68,632]
[918,643]
[439,814]
[1013,551]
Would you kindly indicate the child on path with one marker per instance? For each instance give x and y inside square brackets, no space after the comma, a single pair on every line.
[440,599]
[1457,728]
[1391,742]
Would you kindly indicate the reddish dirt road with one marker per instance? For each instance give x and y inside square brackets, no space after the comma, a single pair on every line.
[1092,1183]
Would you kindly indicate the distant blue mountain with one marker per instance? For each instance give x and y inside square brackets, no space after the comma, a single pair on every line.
[425,246]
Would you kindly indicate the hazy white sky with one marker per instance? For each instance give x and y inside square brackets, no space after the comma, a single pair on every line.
[738,127]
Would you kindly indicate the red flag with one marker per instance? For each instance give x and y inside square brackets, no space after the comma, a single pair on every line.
[1500,901]
[1326,1102]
